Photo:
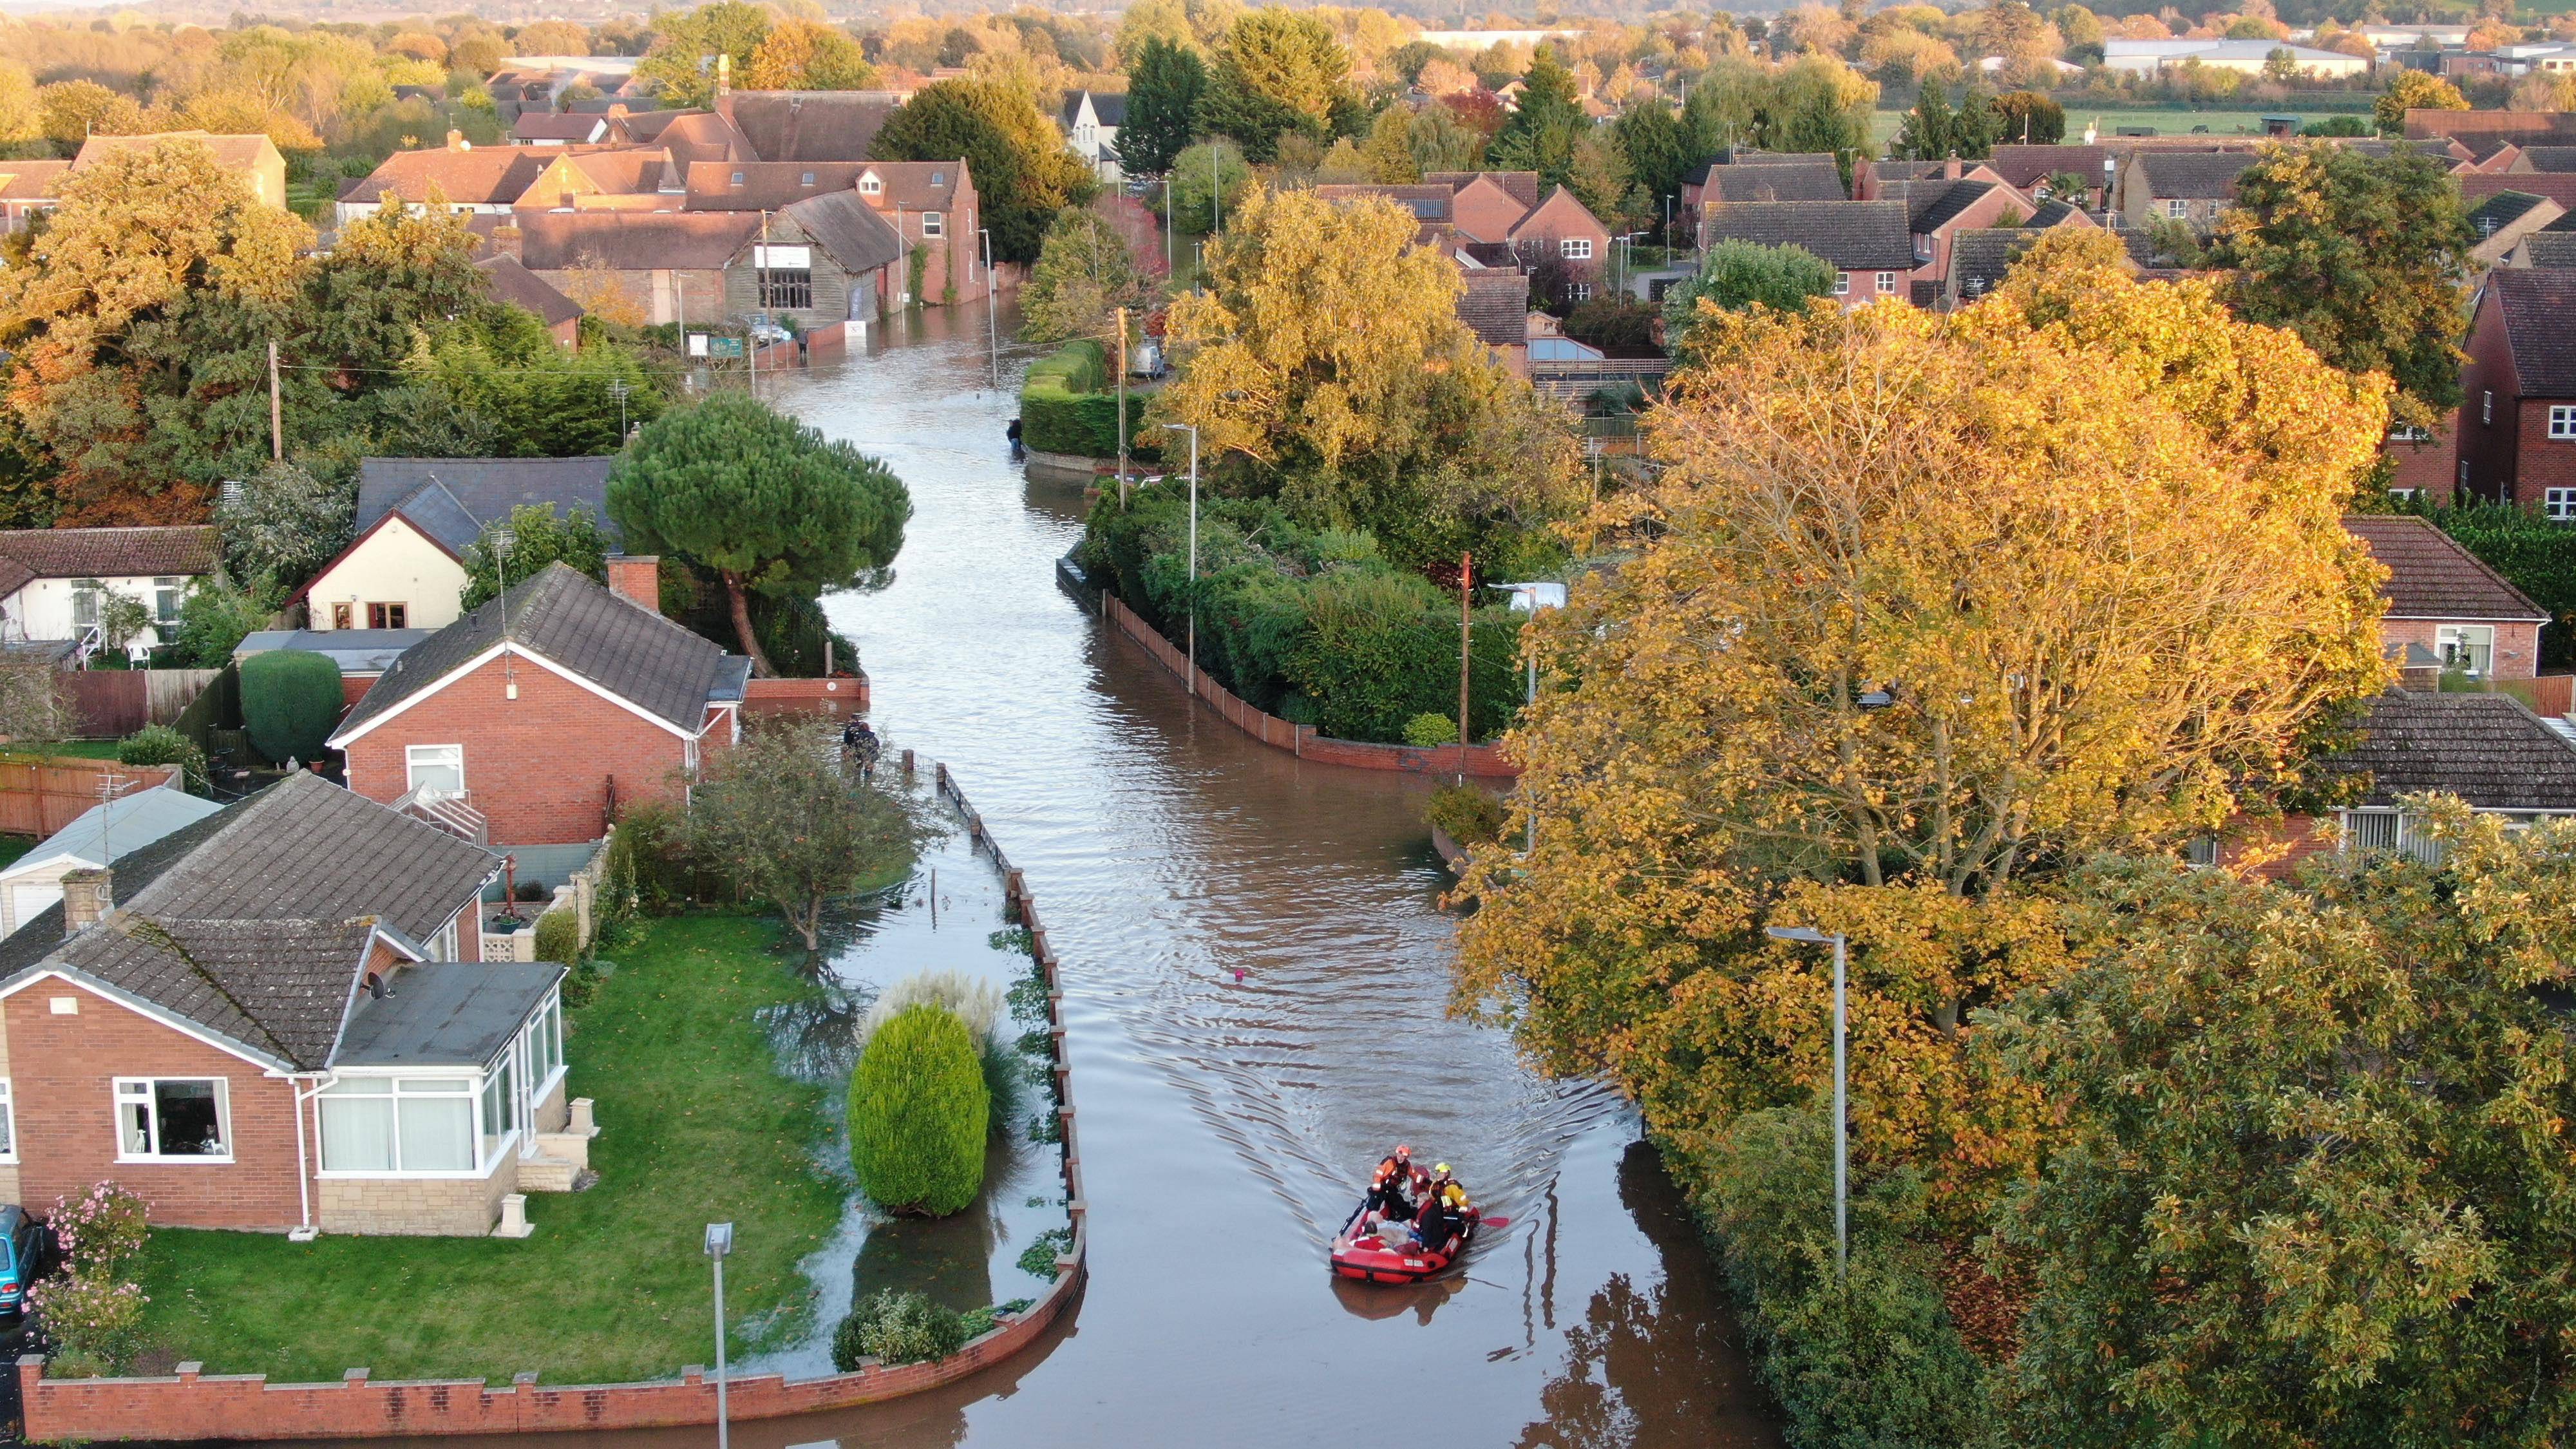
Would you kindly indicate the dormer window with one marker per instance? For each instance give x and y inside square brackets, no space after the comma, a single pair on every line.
[871,185]
[737,178]
[938,178]
[806,180]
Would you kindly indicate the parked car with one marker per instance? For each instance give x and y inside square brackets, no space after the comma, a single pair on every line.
[26,1253]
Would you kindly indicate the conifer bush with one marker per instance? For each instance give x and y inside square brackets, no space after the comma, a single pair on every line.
[290,700]
[919,1112]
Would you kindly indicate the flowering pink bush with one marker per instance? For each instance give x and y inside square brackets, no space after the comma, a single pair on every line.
[94,1318]
[99,1231]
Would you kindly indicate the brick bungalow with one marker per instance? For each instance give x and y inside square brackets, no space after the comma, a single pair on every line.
[2518,409]
[1869,244]
[543,711]
[260,1021]
[2186,186]
[2443,601]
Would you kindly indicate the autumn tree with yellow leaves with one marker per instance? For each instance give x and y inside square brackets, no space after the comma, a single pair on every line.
[1326,365]
[1921,611]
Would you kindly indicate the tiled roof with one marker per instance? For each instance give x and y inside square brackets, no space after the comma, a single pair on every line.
[237,152]
[2500,211]
[1109,107]
[629,171]
[548,126]
[2193,175]
[1496,305]
[704,136]
[1980,258]
[510,282]
[642,127]
[2552,249]
[471,492]
[1777,181]
[1932,205]
[2053,213]
[1428,203]
[918,185]
[98,553]
[2540,323]
[280,987]
[1853,235]
[766,185]
[2025,166]
[2558,186]
[483,176]
[2430,576]
[848,230]
[634,241]
[31,180]
[2550,158]
[1521,186]
[2485,748]
[812,125]
[577,623]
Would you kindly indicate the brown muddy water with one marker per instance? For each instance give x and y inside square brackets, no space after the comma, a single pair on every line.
[1225,1122]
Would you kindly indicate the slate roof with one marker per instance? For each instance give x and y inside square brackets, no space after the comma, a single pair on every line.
[2193,175]
[2430,576]
[1496,305]
[446,1014]
[2026,166]
[281,987]
[2555,250]
[812,125]
[848,230]
[628,241]
[2501,210]
[123,826]
[510,282]
[27,554]
[919,185]
[1109,107]
[2550,158]
[356,651]
[1932,205]
[2540,324]
[2052,213]
[765,185]
[1855,236]
[577,623]
[453,498]
[2485,748]
[1777,181]
[1980,258]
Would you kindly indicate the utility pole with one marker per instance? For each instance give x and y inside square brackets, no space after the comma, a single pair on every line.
[1466,633]
[1171,229]
[276,412]
[1216,193]
[1122,402]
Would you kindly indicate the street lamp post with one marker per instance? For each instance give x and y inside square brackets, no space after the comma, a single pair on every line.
[992,328]
[719,1243]
[1193,674]
[1842,1141]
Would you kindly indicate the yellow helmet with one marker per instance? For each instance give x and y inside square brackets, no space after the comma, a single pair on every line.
[1442,1169]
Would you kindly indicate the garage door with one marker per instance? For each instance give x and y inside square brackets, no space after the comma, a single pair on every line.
[26,902]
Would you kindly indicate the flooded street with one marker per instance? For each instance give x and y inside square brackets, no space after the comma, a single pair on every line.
[1225,1122]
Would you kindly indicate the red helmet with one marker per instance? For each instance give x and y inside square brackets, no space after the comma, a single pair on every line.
[1403,1151]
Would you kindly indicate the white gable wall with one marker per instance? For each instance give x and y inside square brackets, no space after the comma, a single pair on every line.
[43,609]
[394,564]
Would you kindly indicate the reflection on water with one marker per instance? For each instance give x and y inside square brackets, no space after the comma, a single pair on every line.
[1225,1120]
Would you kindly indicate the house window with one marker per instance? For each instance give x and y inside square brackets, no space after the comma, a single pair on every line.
[2466,646]
[1842,284]
[8,1123]
[2201,851]
[2409,433]
[1887,281]
[2404,493]
[2177,210]
[166,594]
[500,1103]
[784,277]
[932,224]
[388,616]
[398,1124]
[2558,505]
[1578,291]
[737,178]
[545,1045]
[436,771]
[343,616]
[2486,408]
[2562,422]
[442,947]
[806,179]
[86,594]
[171,1117]
[1575,249]
[938,178]
[869,185]
[2367,831]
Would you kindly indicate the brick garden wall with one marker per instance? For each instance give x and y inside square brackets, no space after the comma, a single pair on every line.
[190,1405]
[1300,740]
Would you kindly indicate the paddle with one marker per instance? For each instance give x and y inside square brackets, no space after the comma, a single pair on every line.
[1493,1221]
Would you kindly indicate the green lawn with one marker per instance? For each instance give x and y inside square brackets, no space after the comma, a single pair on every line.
[71,749]
[695,1127]
[14,846]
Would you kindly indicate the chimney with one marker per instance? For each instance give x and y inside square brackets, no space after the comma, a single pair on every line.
[724,85]
[88,895]
[637,577]
[456,140]
[1950,167]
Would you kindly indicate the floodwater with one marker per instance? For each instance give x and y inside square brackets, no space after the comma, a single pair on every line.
[1224,1120]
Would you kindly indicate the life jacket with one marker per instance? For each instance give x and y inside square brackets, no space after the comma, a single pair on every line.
[1393,1171]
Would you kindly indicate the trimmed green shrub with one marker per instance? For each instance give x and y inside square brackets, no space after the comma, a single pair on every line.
[162,745]
[896,1327]
[1466,814]
[2538,556]
[1068,404]
[1425,730]
[559,936]
[919,1113]
[290,699]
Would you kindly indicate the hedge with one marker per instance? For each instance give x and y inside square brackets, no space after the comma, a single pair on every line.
[1066,407]
[2536,555]
[290,700]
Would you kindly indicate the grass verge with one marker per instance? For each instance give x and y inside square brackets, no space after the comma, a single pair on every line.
[696,1126]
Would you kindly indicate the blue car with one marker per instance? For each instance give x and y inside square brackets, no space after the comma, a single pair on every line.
[25,1248]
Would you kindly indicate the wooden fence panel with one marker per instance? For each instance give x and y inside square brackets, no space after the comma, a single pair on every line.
[40,795]
[113,703]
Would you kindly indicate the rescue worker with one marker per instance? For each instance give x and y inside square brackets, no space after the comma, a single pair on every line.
[1444,1210]
[1392,1186]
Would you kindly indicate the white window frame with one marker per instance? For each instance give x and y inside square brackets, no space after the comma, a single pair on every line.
[808,178]
[2562,423]
[1578,291]
[1886,282]
[2486,407]
[871,185]
[88,597]
[1842,284]
[2409,433]
[2558,505]
[933,224]
[8,1122]
[2468,642]
[470,1090]
[2177,209]
[1575,249]
[415,755]
[168,593]
[120,1097]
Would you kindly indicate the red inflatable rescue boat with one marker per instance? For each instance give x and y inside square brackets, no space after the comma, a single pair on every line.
[1387,1252]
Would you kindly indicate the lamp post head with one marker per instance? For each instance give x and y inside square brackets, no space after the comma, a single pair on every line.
[719,1239]
[1808,934]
